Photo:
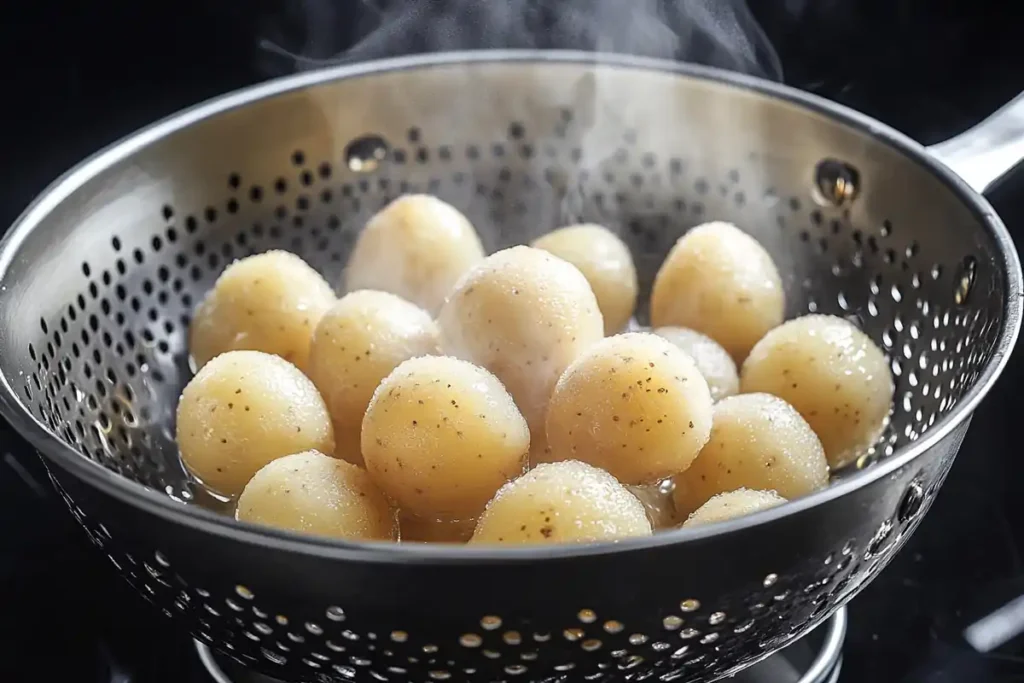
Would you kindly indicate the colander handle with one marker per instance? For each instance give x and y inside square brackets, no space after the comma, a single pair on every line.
[985,153]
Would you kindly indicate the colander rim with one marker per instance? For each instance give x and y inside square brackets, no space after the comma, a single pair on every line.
[154,502]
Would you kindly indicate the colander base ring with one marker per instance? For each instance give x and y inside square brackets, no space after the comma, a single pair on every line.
[815,658]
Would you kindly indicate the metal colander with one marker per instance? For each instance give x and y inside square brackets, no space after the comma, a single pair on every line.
[100,275]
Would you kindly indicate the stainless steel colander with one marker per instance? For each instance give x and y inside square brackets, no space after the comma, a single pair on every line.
[99,276]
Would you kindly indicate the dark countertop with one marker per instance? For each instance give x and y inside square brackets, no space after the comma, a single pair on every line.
[84,76]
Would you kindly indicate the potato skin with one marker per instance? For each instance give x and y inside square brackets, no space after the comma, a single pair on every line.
[713,361]
[416,247]
[524,315]
[833,374]
[733,504]
[317,494]
[758,441]
[562,502]
[359,341]
[441,435]
[634,405]
[721,282]
[269,302]
[605,261]
[244,409]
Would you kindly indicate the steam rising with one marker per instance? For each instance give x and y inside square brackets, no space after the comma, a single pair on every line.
[721,33]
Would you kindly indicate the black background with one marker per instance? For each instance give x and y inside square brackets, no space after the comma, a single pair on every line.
[78,76]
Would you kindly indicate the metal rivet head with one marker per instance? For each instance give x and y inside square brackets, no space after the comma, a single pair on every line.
[837,182]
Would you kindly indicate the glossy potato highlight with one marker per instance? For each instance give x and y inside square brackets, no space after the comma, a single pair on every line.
[760,442]
[416,247]
[269,302]
[524,315]
[719,281]
[358,342]
[634,405]
[562,502]
[317,494]
[713,361]
[733,504]
[243,410]
[441,435]
[605,261]
[833,374]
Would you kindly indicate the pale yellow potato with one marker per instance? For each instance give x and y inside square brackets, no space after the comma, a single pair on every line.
[760,442]
[562,502]
[713,361]
[833,374]
[733,504]
[523,314]
[719,281]
[358,342]
[243,410]
[269,302]
[634,405]
[415,529]
[317,494]
[657,500]
[605,261]
[441,435]
[416,247]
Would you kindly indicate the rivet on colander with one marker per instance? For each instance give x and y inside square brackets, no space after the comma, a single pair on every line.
[964,281]
[911,504]
[364,154]
[837,182]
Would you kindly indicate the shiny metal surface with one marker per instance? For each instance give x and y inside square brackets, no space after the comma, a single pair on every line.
[100,275]
[985,153]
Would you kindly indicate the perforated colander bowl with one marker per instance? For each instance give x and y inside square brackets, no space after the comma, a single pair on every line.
[98,279]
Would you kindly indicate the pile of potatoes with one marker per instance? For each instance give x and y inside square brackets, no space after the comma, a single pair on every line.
[454,396]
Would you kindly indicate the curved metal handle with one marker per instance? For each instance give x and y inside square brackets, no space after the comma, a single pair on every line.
[989,150]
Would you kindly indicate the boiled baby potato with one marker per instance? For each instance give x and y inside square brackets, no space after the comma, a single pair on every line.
[523,314]
[441,435]
[760,442]
[833,374]
[413,529]
[243,410]
[733,504]
[713,361]
[416,247]
[634,405]
[719,281]
[358,342]
[317,494]
[605,261]
[562,502]
[270,302]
